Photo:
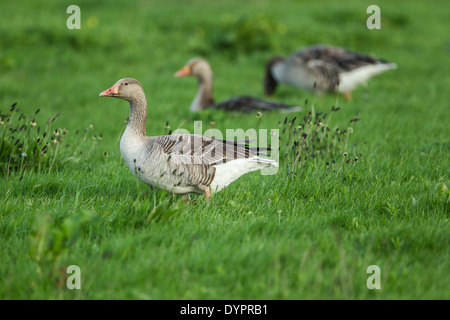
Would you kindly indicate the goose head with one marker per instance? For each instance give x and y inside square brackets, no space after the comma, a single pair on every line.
[270,83]
[126,89]
[199,68]
[196,67]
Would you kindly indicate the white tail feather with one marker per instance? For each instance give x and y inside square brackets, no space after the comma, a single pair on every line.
[349,80]
[230,171]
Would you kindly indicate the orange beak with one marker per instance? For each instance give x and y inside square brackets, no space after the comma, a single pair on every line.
[185,71]
[111,92]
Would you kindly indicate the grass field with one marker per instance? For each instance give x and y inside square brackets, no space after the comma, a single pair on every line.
[310,234]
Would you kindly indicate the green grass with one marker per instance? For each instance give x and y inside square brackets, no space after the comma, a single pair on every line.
[307,235]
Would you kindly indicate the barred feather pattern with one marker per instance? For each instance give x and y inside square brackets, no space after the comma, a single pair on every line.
[181,163]
[318,68]
[188,161]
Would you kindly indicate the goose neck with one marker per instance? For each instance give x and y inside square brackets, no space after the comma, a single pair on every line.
[204,97]
[138,115]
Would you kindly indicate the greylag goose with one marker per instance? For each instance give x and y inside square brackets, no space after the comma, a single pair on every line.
[323,68]
[181,163]
[201,69]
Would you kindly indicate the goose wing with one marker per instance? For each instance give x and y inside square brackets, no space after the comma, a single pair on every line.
[251,104]
[195,157]
[325,63]
[335,57]
[198,149]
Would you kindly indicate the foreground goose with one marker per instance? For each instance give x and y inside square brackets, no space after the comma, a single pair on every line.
[181,163]
[201,69]
[323,68]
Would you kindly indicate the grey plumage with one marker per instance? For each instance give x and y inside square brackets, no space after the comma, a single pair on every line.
[181,163]
[323,68]
[201,69]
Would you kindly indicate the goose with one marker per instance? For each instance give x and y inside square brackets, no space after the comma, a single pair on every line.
[180,163]
[323,68]
[200,68]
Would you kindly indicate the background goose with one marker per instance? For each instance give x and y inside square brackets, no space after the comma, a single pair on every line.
[323,68]
[204,99]
[181,163]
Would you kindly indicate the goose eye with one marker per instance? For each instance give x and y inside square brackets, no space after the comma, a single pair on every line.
[126,83]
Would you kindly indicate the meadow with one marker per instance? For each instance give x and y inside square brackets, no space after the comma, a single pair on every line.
[308,232]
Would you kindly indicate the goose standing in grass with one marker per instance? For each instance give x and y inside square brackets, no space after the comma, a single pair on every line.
[204,99]
[181,163]
[323,68]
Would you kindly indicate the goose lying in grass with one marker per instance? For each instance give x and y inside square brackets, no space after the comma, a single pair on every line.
[182,163]
[323,68]
[201,69]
